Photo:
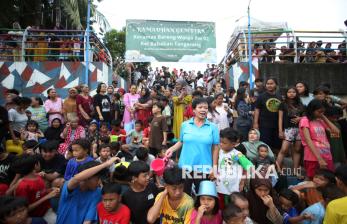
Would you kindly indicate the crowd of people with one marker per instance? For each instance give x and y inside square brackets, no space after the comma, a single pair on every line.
[235,157]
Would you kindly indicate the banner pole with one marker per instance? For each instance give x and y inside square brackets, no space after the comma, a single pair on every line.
[250,70]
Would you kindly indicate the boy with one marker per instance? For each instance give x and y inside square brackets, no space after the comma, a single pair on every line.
[336,210]
[104,155]
[263,158]
[158,134]
[32,187]
[80,150]
[52,164]
[6,175]
[135,139]
[110,210]
[143,155]
[172,206]
[167,111]
[140,196]
[233,214]
[80,194]
[117,130]
[29,147]
[230,171]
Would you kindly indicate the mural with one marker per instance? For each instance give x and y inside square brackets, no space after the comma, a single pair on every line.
[240,72]
[35,78]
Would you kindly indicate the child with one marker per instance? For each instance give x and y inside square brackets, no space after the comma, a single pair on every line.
[233,215]
[7,174]
[103,130]
[71,132]
[81,194]
[288,200]
[172,205]
[308,189]
[188,113]
[206,205]
[80,150]
[29,147]
[263,157]
[290,112]
[141,194]
[337,148]
[167,111]
[92,133]
[135,139]
[159,129]
[169,163]
[110,209]
[104,155]
[317,152]
[117,130]
[229,168]
[317,210]
[143,155]
[15,210]
[32,187]
[31,132]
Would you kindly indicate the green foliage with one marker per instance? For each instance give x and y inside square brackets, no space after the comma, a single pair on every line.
[115,43]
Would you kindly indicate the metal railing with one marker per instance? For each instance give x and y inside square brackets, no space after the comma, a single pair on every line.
[50,45]
[290,46]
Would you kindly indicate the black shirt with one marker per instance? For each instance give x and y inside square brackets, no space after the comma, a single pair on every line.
[290,113]
[103,101]
[4,123]
[57,164]
[6,173]
[268,105]
[140,202]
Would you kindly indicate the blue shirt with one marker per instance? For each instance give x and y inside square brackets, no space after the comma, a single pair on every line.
[290,214]
[72,165]
[77,206]
[317,210]
[197,145]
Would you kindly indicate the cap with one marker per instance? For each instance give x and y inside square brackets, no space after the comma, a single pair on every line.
[207,188]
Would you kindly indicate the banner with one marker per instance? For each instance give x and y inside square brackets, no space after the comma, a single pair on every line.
[170,41]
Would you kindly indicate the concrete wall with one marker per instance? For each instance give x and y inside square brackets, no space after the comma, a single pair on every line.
[312,74]
[34,78]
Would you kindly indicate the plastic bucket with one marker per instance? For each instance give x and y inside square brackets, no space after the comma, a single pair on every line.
[158,166]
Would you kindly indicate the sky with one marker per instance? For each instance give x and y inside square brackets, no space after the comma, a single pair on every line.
[299,14]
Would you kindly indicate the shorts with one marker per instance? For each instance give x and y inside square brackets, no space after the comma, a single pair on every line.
[312,166]
[292,134]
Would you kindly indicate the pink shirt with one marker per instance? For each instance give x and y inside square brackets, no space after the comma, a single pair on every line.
[319,138]
[55,106]
[217,219]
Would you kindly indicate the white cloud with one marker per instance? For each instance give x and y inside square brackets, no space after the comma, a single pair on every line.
[136,56]
[209,56]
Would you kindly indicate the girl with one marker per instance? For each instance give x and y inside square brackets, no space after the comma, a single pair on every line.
[313,128]
[213,114]
[289,115]
[206,205]
[71,132]
[38,113]
[54,106]
[144,106]
[103,130]
[102,103]
[129,113]
[84,103]
[224,111]
[54,131]
[92,133]
[304,93]
[244,119]
[31,132]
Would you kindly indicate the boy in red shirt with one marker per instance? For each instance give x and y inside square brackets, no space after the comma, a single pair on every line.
[110,210]
[32,187]
[117,130]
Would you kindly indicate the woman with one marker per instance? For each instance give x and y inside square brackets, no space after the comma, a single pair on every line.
[71,132]
[102,103]
[266,114]
[244,111]
[110,91]
[223,110]
[262,208]
[54,131]
[199,141]
[84,103]
[17,117]
[304,93]
[70,105]
[130,113]
[252,145]
[181,97]
[54,106]
[144,107]
[38,113]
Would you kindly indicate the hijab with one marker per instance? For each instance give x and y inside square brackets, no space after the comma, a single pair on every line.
[252,146]
[54,133]
[185,85]
[146,97]
[257,208]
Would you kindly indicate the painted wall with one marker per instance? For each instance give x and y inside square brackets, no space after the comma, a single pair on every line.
[34,78]
[240,72]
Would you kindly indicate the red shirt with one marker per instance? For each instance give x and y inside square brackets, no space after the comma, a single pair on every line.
[189,112]
[121,216]
[120,132]
[146,132]
[33,190]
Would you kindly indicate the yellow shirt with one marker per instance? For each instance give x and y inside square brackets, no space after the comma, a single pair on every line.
[179,107]
[181,215]
[336,211]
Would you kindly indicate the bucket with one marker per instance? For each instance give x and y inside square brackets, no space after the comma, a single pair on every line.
[158,166]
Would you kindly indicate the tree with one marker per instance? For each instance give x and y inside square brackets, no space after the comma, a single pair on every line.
[115,43]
